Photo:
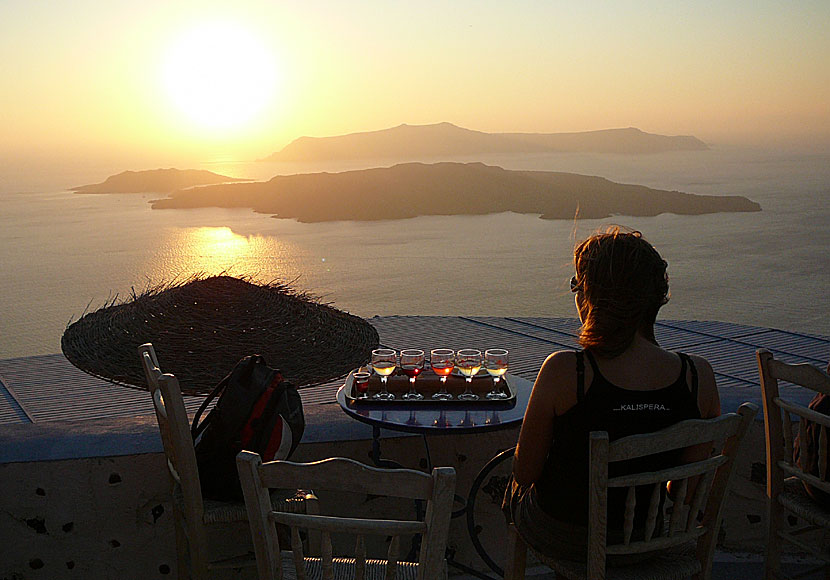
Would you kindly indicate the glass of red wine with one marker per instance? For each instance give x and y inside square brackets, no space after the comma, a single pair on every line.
[412,363]
[361,383]
[442,361]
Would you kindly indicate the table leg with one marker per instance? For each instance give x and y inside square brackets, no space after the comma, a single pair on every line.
[470,508]
[376,458]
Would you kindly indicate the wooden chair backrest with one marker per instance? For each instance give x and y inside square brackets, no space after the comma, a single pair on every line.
[342,474]
[175,434]
[711,476]
[778,420]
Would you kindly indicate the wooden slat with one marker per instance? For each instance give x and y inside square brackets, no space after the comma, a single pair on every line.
[359,558]
[630,506]
[653,510]
[329,474]
[676,521]
[805,412]
[801,374]
[699,499]
[297,553]
[657,543]
[681,435]
[677,472]
[392,556]
[326,556]
[804,476]
[331,524]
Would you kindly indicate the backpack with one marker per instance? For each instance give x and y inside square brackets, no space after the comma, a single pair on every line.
[258,411]
[806,448]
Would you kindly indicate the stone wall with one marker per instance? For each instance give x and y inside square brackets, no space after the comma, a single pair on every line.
[110,517]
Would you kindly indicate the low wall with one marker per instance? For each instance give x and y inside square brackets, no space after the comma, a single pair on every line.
[70,508]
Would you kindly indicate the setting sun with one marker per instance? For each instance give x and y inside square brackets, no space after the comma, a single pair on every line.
[220,75]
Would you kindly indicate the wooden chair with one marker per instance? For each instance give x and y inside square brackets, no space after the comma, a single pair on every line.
[341,474]
[193,515]
[688,544]
[785,490]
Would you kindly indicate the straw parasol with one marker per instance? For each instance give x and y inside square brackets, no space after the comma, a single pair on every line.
[201,327]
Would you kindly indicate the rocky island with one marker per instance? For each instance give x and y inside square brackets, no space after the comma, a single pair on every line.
[415,189]
[445,140]
[155,181]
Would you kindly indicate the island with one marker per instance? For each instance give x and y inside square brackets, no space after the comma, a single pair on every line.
[415,189]
[445,140]
[155,181]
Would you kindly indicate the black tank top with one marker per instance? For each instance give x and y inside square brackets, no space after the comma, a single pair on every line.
[562,489]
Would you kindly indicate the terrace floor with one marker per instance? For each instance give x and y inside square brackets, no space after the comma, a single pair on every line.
[72,395]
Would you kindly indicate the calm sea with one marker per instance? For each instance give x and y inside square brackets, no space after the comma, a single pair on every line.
[63,253]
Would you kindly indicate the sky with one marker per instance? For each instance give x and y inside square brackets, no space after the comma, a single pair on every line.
[239,80]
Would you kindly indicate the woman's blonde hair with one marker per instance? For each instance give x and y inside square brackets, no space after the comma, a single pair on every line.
[622,283]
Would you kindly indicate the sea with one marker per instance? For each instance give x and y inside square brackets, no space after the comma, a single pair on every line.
[63,254]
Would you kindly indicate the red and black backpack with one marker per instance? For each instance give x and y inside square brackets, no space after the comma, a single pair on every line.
[258,411]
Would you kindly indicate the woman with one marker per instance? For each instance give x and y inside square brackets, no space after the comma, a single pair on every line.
[621,382]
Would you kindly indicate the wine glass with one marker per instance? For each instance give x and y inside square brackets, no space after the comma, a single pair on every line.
[468,361]
[384,361]
[442,362]
[442,420]
[361,383]
[412,363]
[495,363]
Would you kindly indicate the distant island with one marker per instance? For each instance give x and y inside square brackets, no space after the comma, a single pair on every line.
[155,181]
[442,140]
[415,189]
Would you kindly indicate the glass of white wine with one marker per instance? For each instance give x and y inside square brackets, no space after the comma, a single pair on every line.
[384,361]
[468,361]
[495,363]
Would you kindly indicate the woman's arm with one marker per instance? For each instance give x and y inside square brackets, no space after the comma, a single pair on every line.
[548,398]
[708,403]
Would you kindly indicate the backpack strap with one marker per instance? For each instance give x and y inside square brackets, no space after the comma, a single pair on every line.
[196,428]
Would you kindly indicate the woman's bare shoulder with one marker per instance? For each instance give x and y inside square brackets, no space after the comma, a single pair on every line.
[559,360]
[556,381]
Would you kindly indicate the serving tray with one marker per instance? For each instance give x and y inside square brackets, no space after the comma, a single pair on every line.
[427,384]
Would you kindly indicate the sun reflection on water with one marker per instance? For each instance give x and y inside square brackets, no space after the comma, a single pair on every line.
[217,250]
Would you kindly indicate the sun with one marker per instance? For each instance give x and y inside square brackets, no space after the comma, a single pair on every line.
[220,75]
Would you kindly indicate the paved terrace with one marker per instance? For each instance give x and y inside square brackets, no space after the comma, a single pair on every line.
[51,411]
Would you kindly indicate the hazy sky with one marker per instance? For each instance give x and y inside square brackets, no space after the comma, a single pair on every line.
[242,79]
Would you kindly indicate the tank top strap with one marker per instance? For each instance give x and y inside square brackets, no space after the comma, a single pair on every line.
[687,360]
[580,377]
[593,362]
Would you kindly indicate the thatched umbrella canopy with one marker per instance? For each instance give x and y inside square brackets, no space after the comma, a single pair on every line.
[200,329]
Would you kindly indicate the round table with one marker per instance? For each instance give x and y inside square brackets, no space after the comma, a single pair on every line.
[444,418]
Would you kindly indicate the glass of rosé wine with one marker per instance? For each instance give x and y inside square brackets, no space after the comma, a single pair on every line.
[412,364]
[384,361]
[442,361]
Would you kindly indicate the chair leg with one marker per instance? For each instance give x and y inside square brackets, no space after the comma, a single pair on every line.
[182,548]
[772,558]
[514,568]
